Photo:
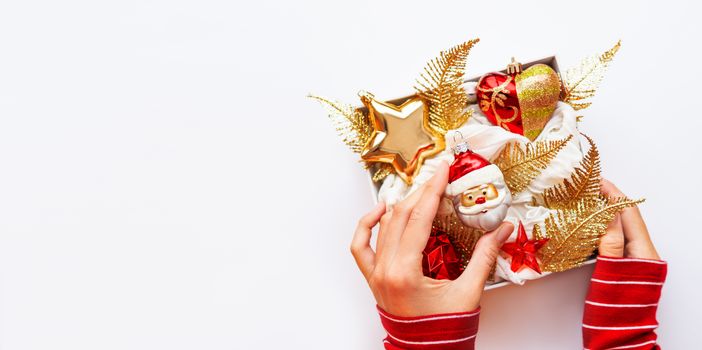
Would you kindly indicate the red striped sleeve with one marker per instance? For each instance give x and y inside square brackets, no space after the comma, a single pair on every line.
[444,331]
[620,310]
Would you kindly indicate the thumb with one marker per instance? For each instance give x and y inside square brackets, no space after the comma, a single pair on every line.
[612,243]
[484,256]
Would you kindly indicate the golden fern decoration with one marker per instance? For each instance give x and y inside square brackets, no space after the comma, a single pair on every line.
[574,232]
[352,125]
[521,166]
[583,183]
[382,171]
[441,85]
[581,82]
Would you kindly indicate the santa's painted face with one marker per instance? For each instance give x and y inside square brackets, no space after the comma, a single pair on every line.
[478,195]
[484,206]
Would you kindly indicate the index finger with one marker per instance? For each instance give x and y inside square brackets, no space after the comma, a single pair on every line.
[422,216]
[389,239]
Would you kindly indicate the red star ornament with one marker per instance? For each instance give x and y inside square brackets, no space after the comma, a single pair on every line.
[524,250]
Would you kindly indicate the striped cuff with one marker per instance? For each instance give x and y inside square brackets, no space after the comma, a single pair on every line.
[620,310]
[444,331]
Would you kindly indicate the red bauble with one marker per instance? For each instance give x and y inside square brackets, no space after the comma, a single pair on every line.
[439,259]
[497,98]
[523,251]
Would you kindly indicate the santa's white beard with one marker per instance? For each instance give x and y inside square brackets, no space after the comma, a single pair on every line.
[495,210]
[487,221]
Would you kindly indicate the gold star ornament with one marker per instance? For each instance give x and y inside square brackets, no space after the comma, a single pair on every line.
[401,135]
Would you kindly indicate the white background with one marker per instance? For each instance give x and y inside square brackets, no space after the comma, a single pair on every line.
[165,184]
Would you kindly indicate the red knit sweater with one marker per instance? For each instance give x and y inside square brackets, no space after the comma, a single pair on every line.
[620,313]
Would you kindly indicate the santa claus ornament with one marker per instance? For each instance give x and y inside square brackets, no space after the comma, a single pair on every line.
[478,190]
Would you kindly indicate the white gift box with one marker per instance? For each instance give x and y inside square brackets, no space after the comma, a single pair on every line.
[375,186]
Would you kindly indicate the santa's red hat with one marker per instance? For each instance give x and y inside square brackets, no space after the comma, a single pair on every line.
[470,169]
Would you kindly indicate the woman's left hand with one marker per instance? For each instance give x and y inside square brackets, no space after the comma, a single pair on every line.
[394,272]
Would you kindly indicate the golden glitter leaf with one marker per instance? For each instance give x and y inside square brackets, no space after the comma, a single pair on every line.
[464,238]
[382,171]
[352,125]
[574,232]
[583,183]
[581,82]
[521,165]
[441,85]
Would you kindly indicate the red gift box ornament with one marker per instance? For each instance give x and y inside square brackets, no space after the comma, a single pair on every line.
[439,259]
[520,101]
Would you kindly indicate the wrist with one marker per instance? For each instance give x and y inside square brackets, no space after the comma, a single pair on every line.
[646,251]
[439,331]
[627,268]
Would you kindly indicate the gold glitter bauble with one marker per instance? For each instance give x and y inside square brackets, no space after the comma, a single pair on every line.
[538,89]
